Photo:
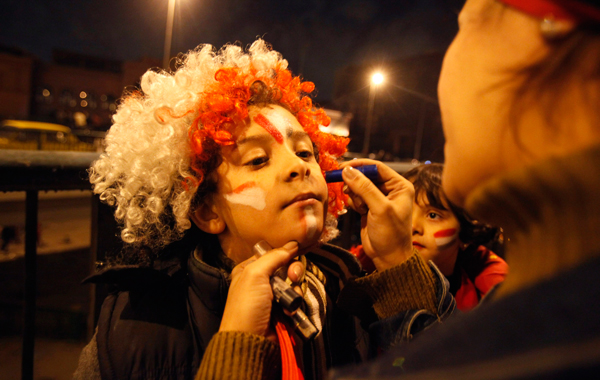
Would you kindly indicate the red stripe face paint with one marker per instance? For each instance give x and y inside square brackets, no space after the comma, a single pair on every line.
[445,233]
[269,127]
[243,187]
[248,194]
[445,238]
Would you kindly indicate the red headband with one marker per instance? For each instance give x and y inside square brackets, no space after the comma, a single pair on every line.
[568,10]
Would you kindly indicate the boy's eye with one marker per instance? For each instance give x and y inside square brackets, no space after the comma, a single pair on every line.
[258,161]
[304,154]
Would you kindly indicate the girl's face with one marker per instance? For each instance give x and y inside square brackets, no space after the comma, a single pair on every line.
[477,84]
[270,186]
[435,234]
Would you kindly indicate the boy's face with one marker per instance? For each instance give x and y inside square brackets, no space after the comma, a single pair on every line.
[270,186]
[435,234]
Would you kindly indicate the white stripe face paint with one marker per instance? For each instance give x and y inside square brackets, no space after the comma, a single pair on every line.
[311,222]
[279,122]
[248,195]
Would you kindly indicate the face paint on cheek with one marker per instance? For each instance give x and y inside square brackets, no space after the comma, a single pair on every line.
[445,238]
[311,222]
[261,120]
[248,194]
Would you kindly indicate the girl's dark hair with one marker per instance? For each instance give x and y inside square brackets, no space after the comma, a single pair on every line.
[427,180]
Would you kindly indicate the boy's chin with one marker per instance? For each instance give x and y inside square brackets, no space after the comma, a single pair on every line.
[312,241]
[308,244]
[304,241]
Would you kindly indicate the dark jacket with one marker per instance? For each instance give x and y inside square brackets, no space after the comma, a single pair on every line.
[157,322]
[549,331]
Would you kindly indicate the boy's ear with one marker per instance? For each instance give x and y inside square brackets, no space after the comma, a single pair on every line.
[207,218]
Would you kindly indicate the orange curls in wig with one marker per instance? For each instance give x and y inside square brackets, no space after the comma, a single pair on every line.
[225,103]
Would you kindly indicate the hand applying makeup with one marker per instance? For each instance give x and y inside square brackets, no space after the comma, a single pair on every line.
[386,212]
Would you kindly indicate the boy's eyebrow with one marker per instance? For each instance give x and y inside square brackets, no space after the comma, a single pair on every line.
[296,135]
[291,134]
[256,138]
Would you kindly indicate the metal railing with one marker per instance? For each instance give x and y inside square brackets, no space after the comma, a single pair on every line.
[34,171]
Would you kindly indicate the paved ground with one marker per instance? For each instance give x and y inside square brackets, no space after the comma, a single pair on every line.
[62,303]
[54,359]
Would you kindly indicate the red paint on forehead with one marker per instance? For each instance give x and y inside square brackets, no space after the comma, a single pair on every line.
[261,120]
[445,233]
[243,187]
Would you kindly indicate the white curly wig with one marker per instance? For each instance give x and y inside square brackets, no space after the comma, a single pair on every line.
[147,170]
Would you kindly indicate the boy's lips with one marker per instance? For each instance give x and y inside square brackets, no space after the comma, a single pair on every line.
[304,199]
[416,244]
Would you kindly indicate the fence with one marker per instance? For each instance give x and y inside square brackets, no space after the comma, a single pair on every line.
[35,171]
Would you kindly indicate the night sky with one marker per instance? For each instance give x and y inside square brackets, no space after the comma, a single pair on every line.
[316,36]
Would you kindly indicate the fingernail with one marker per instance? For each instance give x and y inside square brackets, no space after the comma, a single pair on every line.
[358,203]
[350,172]
[297,272]
[261,248]
[346,189]
[290,246]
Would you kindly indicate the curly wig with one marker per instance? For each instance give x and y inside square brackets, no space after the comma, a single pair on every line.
[166,138]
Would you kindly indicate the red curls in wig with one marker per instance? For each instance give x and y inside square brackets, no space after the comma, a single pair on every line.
[225,104]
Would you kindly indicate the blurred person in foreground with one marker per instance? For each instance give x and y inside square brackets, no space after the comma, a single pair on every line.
[519,93]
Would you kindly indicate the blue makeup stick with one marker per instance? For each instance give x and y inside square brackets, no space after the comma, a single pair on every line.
[370,171]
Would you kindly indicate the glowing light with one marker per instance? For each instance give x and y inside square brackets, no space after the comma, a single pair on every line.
[377,78]
[46,93]
[84,103]
[83,95]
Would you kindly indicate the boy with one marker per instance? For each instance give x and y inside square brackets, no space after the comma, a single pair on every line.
[229,142]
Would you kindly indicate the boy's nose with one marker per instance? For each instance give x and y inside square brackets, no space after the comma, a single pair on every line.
[297,169]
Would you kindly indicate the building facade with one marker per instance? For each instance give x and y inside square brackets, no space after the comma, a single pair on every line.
[74,90]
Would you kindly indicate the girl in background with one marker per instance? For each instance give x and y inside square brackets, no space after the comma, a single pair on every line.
[457,244]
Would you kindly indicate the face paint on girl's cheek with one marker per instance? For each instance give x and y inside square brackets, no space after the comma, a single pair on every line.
[445,238]
[261,120]
[248,194]
[311,222]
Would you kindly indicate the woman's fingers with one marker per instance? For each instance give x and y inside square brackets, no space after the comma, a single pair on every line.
[276,258]
[387,176]
[386,209]
[364,192]
[296,272]
[355,202]
[250,294]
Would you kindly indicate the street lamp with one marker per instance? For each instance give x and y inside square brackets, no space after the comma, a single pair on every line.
[169,34]
[376,79]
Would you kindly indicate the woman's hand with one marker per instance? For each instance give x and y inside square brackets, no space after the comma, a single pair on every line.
[386,212]
[250,296]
